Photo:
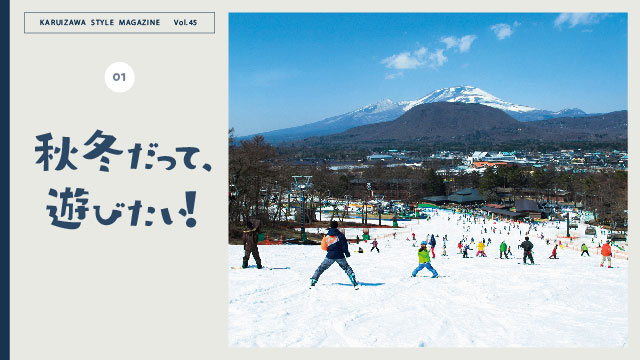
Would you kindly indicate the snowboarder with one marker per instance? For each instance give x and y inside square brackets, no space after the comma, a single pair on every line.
[432,243]
[481,249]
[503,249]
[250,240]
[606,253]
[585,250]
[337,249]
[424,261]
[553,252]
[375,245]
[526,247]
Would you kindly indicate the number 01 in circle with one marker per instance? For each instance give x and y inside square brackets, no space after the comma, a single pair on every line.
[119,77]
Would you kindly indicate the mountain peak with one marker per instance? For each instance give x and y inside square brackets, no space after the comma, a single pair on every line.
[467,94]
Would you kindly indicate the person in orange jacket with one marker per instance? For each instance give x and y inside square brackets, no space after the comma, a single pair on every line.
[606,253]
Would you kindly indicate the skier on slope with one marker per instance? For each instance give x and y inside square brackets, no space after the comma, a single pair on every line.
[503,249]
[553,253]
[432,243]
[337,249]
[481,249]
[527,246]
[424,261]
[375,245]
[585,250]
[606,253]
[465,251]
[459,247]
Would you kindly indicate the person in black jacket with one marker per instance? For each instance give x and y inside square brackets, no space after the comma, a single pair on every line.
[527,246]
[337,249]
[250,241]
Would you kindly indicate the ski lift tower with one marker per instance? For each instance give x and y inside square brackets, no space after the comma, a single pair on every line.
[379,199]
[302,182]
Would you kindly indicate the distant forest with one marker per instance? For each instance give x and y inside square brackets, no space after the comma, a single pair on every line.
[260,173]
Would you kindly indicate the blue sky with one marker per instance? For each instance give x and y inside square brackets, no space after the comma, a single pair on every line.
[292,69]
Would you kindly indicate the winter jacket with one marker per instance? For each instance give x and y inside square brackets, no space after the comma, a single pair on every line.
[606,250]
[503,247]
[250,239]
[584,248]
[480,246]
[433,241]
[553,252]
[526,245]
[374,243]
[423,256]
[340,248]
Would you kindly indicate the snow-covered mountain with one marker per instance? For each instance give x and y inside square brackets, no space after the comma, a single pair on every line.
[468,95]
[388,110]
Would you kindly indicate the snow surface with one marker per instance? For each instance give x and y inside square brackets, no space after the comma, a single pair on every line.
[469,95]
[478,302]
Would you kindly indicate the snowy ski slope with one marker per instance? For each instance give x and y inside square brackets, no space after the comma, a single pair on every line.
[478,302]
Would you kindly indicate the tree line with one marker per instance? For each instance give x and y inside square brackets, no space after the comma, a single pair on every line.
[260,176]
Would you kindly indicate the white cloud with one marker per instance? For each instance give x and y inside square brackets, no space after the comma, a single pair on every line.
[575,19]
[437,58]
[421,58]
[462,44]
[393,75]
[406,60]
[450,41]
[503,31]
[465,42]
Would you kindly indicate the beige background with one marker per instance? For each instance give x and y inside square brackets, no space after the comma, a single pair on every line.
[160,292]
